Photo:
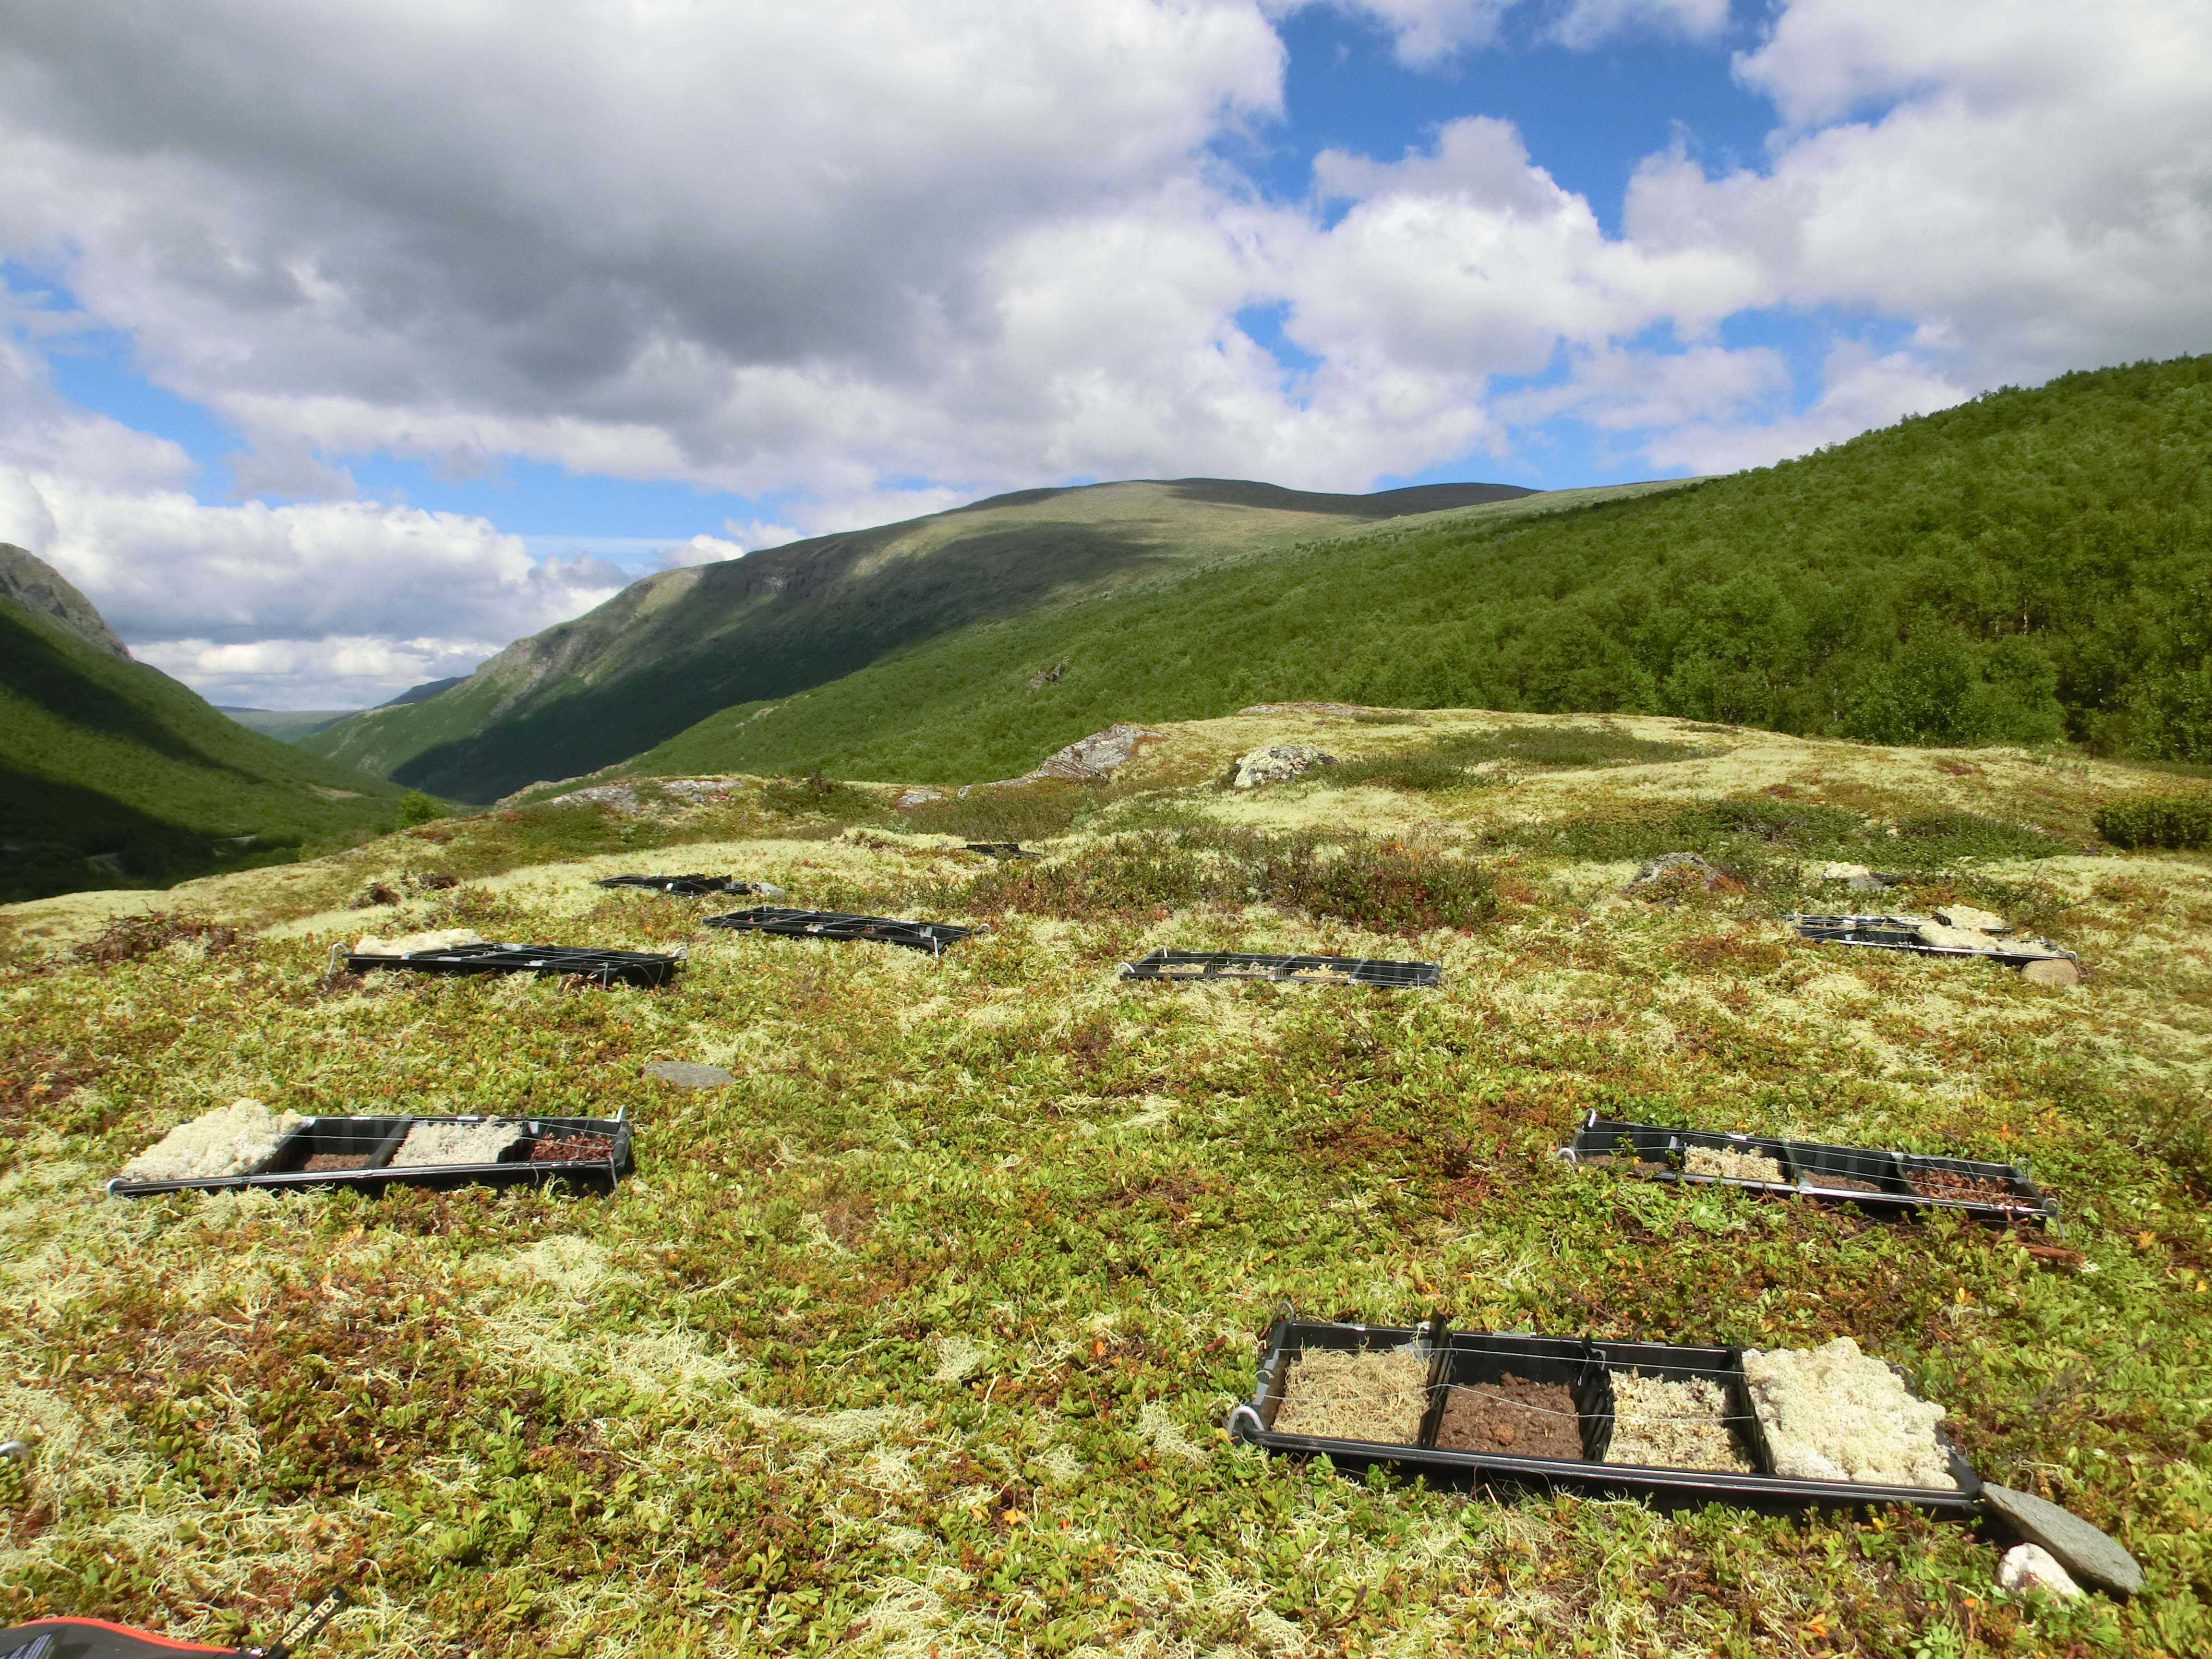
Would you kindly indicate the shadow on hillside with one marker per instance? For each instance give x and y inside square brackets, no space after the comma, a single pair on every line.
[63,838]
[802,614]
[36,670]
[1383,504]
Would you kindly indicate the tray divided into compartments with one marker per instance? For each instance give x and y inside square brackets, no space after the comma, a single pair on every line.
[357,1151]
[930,936]
[642,968]
[1811,1169]
[1891,933]
[690,886]
[1480,1360]
[1288,970]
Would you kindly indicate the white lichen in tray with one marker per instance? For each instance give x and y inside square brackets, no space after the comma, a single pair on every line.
[1833,1414]
[454,1143]
[229,1140]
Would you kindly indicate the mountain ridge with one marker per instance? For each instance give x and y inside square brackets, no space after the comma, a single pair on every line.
[677,645]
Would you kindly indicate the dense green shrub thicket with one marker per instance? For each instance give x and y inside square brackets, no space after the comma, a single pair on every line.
[2033,565]
[2182,821]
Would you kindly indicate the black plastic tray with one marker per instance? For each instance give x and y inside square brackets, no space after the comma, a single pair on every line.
[690,886]
[643,968]
[1291,970]
[1810,1167]
[379,1136]
[1585,1368]
[1889,932]
[930,936]
[1001,849]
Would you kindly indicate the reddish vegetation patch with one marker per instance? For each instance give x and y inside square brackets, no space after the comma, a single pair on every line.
[39,1077]
[129,938]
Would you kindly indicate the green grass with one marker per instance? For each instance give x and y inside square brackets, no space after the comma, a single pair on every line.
[105,759]
[919,1337]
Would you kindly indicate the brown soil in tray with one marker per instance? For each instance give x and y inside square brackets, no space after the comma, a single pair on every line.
[322,1161]
[1970,1188]
[1514,1416]
[1614,1161]
[569,1149]
[1844,1184]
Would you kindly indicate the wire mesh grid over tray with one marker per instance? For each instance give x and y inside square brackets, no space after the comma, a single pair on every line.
[930,936]
[643,968]
[689,886]
[1876,1179]
[1893,932]
[1291,970]
[1480,1361]
[359,1151]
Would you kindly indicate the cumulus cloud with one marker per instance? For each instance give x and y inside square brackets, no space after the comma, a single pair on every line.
[868,261]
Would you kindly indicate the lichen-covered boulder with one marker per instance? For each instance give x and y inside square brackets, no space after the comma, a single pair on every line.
[1275,763]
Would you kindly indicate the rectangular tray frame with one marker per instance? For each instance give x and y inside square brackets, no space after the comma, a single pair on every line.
[1804,1161]
[1375,973]
[692,886]
[386,1133]
[1251,1420]
[930,936]
[644,970]
[1884,932]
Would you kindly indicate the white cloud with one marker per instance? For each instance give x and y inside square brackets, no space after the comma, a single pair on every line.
[286,597]
[342,671]
[867,261]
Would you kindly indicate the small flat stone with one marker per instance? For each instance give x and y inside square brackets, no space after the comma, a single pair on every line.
[689,1074]
[2051,970]
[2090,1555]
[2030,1566]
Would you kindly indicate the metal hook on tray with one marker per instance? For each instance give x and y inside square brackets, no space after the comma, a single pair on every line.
[1238,1416]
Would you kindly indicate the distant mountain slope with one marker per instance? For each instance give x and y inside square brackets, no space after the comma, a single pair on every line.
[2031,565]
[676,647]
[40,588]
[285,725]
[113,775]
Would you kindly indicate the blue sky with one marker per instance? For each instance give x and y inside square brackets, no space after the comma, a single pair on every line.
[405,330]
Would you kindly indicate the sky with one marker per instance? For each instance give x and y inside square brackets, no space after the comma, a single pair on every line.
[342,344]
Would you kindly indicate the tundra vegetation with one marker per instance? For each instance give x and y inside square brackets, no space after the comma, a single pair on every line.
[917,1338]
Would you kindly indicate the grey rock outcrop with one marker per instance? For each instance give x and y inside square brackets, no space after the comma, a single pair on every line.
[2091,1555]
[1098,756]
[1276,763]
[36,586]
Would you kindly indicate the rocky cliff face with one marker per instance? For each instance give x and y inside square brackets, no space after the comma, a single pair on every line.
[36,586]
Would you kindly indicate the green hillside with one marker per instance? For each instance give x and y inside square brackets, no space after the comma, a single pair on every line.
[113,775]
[675,648]
[2031,566]
[285,725]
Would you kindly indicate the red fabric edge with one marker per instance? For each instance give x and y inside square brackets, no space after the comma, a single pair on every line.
[169,1642]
